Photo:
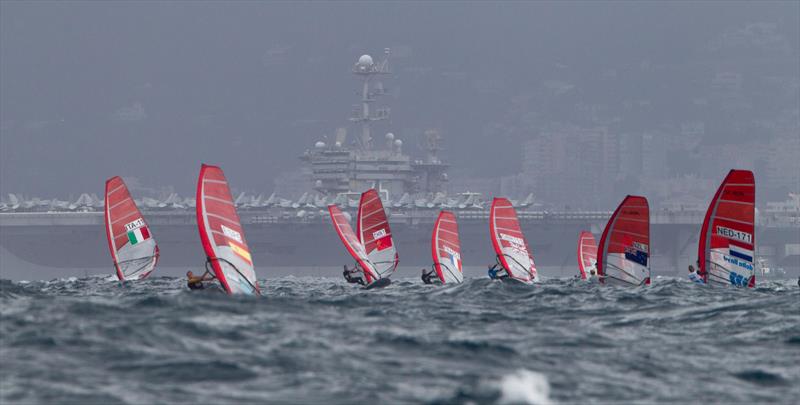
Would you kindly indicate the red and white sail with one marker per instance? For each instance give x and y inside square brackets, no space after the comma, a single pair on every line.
[727,238]
[446,249]
[587,253]
[372,228]
[509,243]
[130,241]
[352,243]
[624,250]
[222,234]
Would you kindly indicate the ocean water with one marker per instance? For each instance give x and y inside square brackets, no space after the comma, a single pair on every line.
[317,340]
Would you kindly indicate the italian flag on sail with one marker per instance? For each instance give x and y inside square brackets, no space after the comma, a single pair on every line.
[138,235]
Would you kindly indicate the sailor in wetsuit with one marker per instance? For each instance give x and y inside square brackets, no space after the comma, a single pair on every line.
[497,272]
[700,274]
[591,271]
[196,283]
[350,278]
[694,276]
[594,277]
[427,276]
[593,266]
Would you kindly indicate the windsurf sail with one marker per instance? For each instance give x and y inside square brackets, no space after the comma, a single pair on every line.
[509,243]
[352,243]
[624,250]
[727,238]
[587,253]
[130,241]
[372,228]
[446,248]
[222,234]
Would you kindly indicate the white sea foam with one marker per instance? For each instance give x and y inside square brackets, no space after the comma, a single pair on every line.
[525,387]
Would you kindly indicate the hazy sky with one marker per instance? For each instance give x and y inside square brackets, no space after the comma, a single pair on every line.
[151,89]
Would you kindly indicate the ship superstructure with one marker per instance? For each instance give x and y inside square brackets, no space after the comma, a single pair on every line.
[345,166]
[413,191]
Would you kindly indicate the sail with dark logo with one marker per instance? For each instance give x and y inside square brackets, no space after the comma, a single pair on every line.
[727,238]
[624,250]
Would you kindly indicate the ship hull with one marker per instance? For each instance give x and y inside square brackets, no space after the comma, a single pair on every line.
[272,245]
[78,248]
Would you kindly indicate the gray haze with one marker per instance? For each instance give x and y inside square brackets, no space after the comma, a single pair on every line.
[150,90]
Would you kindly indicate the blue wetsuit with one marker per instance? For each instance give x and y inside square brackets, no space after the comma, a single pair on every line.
[495,273]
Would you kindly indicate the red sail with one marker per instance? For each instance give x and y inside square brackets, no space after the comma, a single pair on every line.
[372,228]
[624,250]
[222,234]
[351,242]
[130,240]
[587,253]
[727,238]
[446,248]
[509,243]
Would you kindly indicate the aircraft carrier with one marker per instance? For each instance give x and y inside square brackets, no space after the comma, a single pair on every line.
[46,238]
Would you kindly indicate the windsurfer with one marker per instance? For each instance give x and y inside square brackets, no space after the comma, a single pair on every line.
[427,276]
[196,283]
[592,268]
[694,276]
[700,273]
[593,276]
[350,278]
[497,272]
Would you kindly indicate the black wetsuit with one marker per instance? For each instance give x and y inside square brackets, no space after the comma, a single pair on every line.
[197,285]
[427,277]
[351,279]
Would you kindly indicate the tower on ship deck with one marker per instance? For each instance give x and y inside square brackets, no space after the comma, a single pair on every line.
[352,167]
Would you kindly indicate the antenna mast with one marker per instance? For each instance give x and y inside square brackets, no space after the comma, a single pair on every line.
[366,69]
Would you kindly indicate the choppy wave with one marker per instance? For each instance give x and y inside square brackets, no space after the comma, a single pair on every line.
[311,340]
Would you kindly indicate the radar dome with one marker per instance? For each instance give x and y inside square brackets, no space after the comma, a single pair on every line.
[319,145]
[365,60]
[389,136]
[338,144]
[318,183]
[398,142]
